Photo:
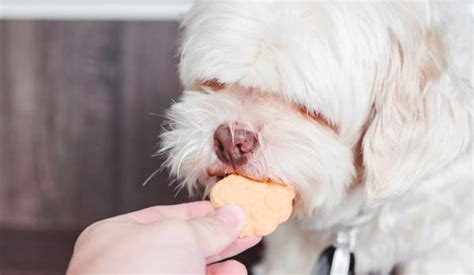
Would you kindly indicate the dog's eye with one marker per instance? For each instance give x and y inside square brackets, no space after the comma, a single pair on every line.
[316,117]
[213,84]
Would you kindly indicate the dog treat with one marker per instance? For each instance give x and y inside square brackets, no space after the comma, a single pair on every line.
[266,205]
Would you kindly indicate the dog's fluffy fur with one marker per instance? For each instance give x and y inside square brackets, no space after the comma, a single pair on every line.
[357,105]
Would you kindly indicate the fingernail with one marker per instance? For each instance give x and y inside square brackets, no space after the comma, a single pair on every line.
[231,215]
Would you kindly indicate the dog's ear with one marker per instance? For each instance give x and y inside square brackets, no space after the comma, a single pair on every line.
[418,123]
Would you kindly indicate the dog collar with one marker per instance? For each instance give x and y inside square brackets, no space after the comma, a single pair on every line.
[339,258]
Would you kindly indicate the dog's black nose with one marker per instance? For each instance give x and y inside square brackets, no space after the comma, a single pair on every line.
[234,147]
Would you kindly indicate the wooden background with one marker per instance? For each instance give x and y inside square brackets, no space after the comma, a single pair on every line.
[78,126]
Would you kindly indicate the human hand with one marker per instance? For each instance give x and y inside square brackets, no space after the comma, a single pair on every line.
[186,238]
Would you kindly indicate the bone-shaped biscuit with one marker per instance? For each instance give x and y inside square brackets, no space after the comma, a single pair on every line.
[266,205]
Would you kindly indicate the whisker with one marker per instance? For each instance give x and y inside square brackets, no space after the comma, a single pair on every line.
[157,115]
[184,155]
[151,176]
[172,181]
[231,126]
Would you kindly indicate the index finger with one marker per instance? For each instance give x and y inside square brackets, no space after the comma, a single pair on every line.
[184,211]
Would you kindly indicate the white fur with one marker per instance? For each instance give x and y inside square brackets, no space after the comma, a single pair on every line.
[393,80]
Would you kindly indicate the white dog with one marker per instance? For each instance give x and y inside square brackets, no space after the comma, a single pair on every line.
[363,107]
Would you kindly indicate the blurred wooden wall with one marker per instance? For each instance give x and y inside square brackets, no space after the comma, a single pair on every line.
[76,114]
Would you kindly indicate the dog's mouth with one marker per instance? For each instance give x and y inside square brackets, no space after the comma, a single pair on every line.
[221,177]
[220,172]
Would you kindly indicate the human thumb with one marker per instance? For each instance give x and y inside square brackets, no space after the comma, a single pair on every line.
[217,231]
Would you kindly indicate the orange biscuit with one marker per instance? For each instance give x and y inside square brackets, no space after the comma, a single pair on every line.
[266,205]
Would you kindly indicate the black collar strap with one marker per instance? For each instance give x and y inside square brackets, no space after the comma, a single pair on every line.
[339,258]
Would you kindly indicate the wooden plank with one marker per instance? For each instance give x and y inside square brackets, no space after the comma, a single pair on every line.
[85,57]
[149,82]
[35,251]
[5,146]
[19,96]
